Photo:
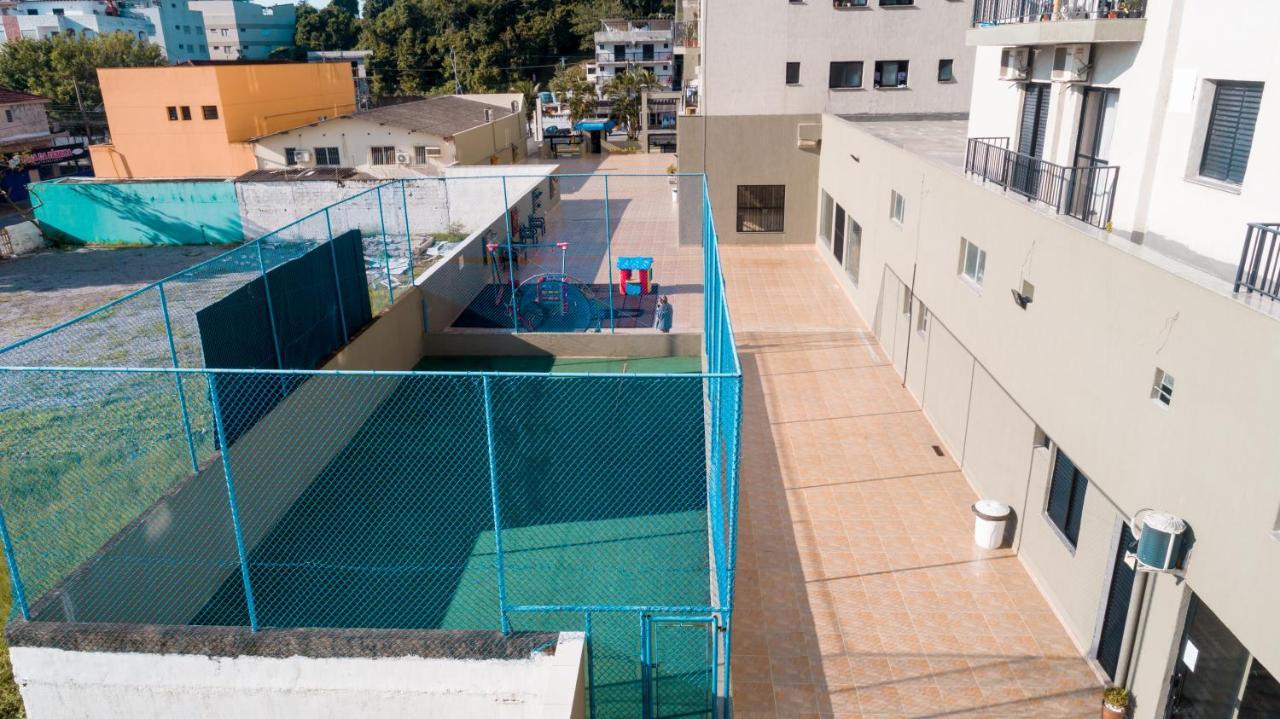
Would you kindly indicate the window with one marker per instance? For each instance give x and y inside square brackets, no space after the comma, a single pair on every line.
[186,112]
[891,73]
[946,71]
[383,155]
[853,249]
[59,11]
[422,152]
[906,301]
[1066,497]
[8,115]
[290,156]
[1229,136]
[896,3]
[824,225]
[1162,388]
[172,112]
[845,75]
[326,156]
[848,3]
[973,262]
[761,208]
[897,206]
[210,112]
[837,240]
[922,319]
[793,73]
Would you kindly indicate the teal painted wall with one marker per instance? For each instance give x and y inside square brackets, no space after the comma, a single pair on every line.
[138,213]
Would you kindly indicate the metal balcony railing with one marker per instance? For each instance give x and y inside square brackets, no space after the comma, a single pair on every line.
[605,58]
[1086,192]
[1259,269]
[1004,12]
[687,33]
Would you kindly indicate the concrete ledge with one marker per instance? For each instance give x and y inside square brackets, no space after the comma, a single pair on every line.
[1058,32]
[632,343]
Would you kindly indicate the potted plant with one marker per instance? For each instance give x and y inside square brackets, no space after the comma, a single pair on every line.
[671,180]
[1115,703]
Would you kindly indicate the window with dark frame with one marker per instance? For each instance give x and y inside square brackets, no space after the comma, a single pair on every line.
[837,238]
[1067,487]
[1229,137]
[172,110]
[326,156]
[209,112]
[853,249]
[845,75]
[848,3]
[383,155]
[946,71]
[793,73]
[290,156]
[761,208]
[186,112]
[896,3]
[891,73]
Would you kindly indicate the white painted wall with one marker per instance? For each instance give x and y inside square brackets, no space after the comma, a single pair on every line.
[747,43]
[72,684]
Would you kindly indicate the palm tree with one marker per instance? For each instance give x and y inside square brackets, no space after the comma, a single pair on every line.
[625,92]
[572,85]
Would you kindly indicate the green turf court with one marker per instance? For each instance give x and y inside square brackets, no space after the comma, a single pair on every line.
[599,365]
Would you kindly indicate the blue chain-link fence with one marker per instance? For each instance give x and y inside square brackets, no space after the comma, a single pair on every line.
[143,485]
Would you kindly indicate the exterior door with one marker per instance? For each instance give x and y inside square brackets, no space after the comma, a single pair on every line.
[1214,676]
[1117,610]
[1089,187]
[1031,139]
[678,663]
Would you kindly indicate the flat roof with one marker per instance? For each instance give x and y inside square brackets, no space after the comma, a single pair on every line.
[939,137]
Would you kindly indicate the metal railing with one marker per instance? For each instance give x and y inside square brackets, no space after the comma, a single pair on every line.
[1086,192]
[1259,269]
[604,58]
[1004,12]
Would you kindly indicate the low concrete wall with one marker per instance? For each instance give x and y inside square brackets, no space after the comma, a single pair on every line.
[392,342]
[266,206]
[433,676]
[564,344]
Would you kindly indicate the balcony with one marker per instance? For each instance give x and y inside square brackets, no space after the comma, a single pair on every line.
[1086,193]
[633,58]
[1259,269]
[1007,23]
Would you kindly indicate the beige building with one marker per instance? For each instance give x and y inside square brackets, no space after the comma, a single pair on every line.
[412,139]
[759,73]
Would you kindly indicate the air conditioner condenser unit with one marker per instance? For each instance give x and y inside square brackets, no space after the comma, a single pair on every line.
[1015,63]
[1071,63]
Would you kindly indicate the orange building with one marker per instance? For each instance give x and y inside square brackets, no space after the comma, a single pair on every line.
[194,120]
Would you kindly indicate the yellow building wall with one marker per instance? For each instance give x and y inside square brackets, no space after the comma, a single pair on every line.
[252,99]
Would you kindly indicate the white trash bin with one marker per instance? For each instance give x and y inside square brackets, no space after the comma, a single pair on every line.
[989,518]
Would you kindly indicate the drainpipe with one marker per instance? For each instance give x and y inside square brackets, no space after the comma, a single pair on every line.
[1131,621]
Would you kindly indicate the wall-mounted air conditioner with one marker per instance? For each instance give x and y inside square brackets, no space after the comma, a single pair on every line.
[1071,63]
[1015,63]
[301,156]
[402,158]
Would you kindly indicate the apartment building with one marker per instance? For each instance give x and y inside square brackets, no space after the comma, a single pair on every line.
[1072,285]
[245,30]
[765,72]
[170,24]
[631,45]
[197,120]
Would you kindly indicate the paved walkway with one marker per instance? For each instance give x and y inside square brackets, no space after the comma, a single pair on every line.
[860,591]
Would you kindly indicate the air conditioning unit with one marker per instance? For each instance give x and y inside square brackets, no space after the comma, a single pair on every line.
[1015,63]
[301,156]
[1071,63]
[402,158]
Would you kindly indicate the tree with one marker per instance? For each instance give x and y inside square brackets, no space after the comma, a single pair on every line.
[332,28]
[351,6]
[374,8]
[572,83]
[625,92]
[57,66]
[529,90]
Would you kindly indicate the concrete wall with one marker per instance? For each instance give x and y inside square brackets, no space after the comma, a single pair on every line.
[1077,366]
[563,344]
[157,213]
[72,684]
[267,206]
[29,120]
[752,150]
[392,342]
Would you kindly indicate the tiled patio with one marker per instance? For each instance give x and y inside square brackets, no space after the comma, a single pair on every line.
[860,591]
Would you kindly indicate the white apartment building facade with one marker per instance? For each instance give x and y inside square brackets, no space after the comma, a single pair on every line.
[1078,337]
[767,69]
[245,30]
[170,24]
[631,45]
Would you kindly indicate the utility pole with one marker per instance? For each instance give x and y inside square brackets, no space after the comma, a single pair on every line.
[457,84]
[88,138]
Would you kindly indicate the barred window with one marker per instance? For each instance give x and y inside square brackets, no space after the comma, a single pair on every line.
[326,156]
[761,208]
[383,155]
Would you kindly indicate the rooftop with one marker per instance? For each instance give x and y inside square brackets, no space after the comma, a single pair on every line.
[11,97]
[446,115]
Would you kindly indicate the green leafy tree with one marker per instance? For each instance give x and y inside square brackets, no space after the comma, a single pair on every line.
[331,28]
[572,83]
[57,66]
[529,90]
[625,92]
[374,8]
[351,6]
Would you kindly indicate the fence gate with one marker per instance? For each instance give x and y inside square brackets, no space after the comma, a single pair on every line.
[678,665]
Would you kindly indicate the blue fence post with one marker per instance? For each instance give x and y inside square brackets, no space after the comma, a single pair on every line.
[591,659]
[15,578]
[177,377]
[497,514]
[231,500]
[271,310]
[386,255]
[511,257]
[408,238]
[337,279]
[608,244]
